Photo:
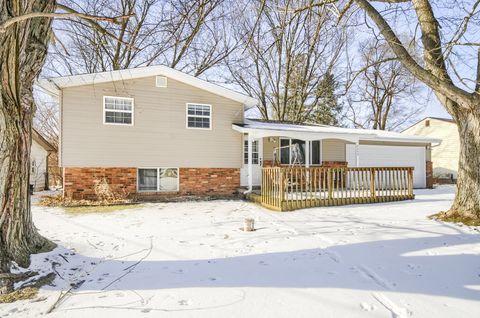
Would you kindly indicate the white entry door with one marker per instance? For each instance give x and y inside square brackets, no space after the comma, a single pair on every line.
[391,156]
[257,159]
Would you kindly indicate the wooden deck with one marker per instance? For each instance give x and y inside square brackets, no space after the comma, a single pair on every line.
[291,188]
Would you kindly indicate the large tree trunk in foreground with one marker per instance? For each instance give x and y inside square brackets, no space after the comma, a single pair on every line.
[467,198]
[463,105]
[23,48]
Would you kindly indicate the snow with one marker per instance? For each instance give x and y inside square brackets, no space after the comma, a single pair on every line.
[192,260]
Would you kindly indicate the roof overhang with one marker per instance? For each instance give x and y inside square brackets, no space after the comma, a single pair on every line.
[42,141]
[52,86]
[296,134]
[318,132]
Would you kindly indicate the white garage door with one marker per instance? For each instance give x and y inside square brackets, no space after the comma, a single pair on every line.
[391,156]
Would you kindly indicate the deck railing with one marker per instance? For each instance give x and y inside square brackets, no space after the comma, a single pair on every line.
[290,188]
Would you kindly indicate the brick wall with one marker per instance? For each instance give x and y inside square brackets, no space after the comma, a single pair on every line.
[78,183]
[209,181]
[329,164]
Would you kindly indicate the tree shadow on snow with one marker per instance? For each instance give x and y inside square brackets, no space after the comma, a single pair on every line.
[400,265]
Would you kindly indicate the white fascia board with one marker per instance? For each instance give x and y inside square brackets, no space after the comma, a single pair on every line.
[296,134]
[417,139]
[316,135]
[57,83]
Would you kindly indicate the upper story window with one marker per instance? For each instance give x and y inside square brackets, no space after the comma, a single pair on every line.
[199,116]
[117,110]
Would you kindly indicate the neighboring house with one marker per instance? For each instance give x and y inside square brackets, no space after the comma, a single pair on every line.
[40,151]
[445,155]
[155,130]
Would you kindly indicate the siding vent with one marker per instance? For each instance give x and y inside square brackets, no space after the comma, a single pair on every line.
[161,81]
[427,123]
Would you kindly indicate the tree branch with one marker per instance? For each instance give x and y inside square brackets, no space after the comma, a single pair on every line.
[442,86]
[70,14]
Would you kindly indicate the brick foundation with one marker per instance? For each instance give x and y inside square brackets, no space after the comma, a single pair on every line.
[209,181]
[330,164]
[268,163]
[429,173]
[79,183]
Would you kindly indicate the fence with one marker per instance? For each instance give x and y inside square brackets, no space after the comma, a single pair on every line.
[290,188]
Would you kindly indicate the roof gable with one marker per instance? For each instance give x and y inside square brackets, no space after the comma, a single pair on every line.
[55,84]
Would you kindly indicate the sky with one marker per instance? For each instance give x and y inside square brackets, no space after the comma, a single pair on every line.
[434,109]
[408,25]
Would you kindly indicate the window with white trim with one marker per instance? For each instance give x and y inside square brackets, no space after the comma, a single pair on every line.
[117,110]
[158,179]
[199,116]
[286,149]
[254,152]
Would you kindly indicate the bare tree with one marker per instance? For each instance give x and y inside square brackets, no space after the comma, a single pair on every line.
[25,30]
[186,35]
[443,56]
[284,56]
[384,93]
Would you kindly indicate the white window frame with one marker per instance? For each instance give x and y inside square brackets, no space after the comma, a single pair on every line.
[158,180]
[290,152]
[201,116]
[119,111]
[245,148]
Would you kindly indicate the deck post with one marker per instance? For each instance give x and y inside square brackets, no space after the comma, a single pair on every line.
[307,153]
[372,184]
[357,154]
[250,162]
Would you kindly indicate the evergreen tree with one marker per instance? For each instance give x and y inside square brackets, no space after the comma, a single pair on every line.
[328,108]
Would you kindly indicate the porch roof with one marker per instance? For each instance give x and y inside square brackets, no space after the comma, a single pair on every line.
[259,129]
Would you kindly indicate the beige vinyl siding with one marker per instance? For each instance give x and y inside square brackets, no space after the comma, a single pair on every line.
[269,144]
[333,150]
[158,138]
[38,156]
[444,156]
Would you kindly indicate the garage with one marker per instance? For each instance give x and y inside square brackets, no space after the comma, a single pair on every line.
[391,156]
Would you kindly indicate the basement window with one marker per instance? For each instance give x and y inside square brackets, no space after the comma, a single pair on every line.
[158,180]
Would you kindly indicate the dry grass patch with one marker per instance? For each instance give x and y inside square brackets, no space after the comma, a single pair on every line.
[456,218]
[87,206]
[100,208]
[19,294]
[60,201]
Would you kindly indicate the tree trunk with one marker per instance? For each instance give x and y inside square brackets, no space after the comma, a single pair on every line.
[467,198]
[23,48]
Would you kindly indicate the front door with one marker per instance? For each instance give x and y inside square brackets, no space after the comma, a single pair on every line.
[257,159]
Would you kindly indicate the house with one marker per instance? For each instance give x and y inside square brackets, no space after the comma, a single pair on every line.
[445,155]
[155,130]
[39,154]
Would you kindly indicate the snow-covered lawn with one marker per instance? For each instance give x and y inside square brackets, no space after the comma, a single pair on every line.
[191,260]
